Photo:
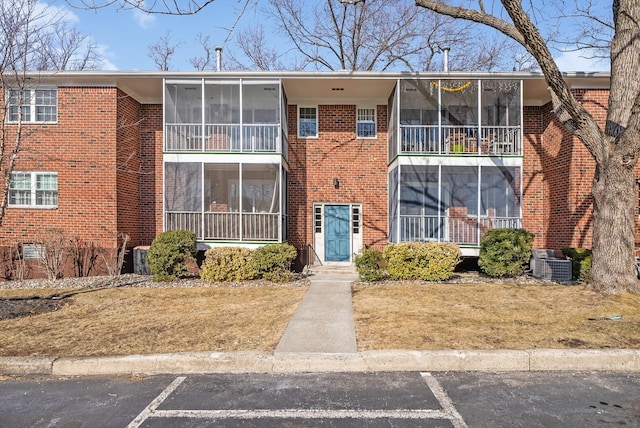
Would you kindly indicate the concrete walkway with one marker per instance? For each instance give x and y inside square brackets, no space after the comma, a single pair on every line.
[323,322]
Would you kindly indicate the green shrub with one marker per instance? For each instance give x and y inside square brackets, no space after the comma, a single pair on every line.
[580,262]
[169,253]
[370,265]
[226,264]
[431,261]
[273,262]
[505,252]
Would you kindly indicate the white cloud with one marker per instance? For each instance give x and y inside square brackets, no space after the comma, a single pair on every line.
[144,20]
[47,13]
[106,54]
[576,61]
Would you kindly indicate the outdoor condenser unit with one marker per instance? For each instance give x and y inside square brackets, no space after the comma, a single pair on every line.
[545,265]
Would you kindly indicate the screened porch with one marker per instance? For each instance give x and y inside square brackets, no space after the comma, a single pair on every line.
[456,117]
[237,116]
[226,201]
[456,204]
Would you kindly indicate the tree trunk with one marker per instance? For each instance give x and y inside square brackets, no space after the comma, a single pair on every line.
[614,211]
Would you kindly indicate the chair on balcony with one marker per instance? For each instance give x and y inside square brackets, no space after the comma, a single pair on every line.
[455,142]
[486,144]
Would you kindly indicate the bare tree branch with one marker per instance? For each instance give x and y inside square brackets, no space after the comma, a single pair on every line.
[206,62]
[162,51]
[379,35]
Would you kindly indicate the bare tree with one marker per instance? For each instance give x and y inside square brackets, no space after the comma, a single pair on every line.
[255,53]
[53,257]
[208,60]
[113,256]
[615,149]
[189,7]
[84,255]
[65,48]
[162,52]
[371,35]
[13,262]
[589,27]
[32,37]
[15,18]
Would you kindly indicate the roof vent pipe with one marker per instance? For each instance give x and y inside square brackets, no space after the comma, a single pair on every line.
[446,58]
[218,58]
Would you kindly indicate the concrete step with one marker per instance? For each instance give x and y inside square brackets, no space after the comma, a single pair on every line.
[332,269]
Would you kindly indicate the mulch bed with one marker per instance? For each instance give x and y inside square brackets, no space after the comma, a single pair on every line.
[24,307]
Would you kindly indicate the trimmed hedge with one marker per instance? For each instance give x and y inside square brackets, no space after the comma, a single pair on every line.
[370,265]
[580,262]
[505,252]
[169,252]
[226,264]
[430,261]
[273,262]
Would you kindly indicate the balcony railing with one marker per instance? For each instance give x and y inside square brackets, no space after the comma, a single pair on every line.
[460,140]
[226,226]
[222,138]
[458,230]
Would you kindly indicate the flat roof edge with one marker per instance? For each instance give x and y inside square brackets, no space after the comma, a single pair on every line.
[304,74]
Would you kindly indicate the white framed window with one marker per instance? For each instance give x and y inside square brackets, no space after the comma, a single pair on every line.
[33,189]
[308,122]
[38,105]
[366,123]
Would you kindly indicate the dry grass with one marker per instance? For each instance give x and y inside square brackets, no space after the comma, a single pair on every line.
[120,321]
[492,316]
[147,320]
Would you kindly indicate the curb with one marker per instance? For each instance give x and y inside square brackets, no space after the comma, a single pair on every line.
[621,360]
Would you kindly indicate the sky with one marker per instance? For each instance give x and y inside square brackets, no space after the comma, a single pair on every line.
[124,36]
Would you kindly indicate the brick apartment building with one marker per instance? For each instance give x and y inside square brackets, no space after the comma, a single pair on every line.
[329,162]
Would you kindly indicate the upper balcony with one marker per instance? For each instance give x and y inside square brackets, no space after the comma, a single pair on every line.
[460,140]
[226,138]
[225,116]
[456,117]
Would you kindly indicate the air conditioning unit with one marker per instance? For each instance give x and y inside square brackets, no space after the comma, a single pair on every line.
[545,265]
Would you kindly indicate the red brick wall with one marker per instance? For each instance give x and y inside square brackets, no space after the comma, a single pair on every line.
[128,167]
[558,172]
[81,148]
[534,185]
[151,173]
[359,164]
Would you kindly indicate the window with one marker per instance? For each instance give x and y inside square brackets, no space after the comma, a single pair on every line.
[355,216]
[37,189]
[366,122]
[38,105]
[317,218]
[307,122]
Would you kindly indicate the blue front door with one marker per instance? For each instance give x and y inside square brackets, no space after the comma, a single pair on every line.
[336,238]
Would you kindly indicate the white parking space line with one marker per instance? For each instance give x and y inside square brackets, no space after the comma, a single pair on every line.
[445,401]
[151,408]
[303,414]
[448,411]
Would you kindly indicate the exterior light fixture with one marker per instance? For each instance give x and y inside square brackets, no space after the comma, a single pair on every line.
[336,182]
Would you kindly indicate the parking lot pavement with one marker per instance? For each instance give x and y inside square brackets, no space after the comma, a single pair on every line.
[305,399]
[407,399]
[558,399]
